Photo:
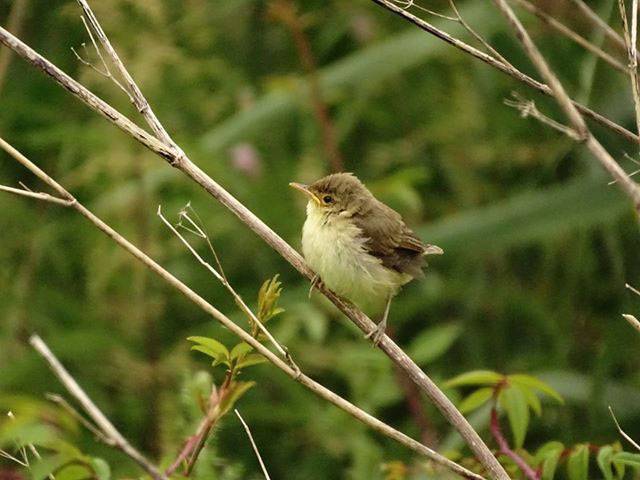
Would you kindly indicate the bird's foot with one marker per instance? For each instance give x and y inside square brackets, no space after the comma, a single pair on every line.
[316,282]
[377,333]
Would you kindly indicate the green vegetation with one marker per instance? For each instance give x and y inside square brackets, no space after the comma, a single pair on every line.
[519,322]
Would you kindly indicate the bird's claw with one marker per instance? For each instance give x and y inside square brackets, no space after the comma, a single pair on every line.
[315,283]
[376,334]
[294,366]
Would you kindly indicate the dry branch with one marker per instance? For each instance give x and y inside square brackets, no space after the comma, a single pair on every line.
[505,68]
[111,434]
[595,19]
[630,39]
[210,310]
[253,444]
[567,32]
[573,114]
[177,159]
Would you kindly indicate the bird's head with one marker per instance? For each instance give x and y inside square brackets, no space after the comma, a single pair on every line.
[335,194]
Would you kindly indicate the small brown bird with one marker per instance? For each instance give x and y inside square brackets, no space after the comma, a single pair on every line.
[359,247]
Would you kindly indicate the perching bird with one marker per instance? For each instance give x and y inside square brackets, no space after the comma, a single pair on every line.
[359,247]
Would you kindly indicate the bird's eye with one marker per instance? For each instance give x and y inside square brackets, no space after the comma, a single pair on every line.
[327,199]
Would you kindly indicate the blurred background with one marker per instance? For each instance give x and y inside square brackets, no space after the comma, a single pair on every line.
[538,246]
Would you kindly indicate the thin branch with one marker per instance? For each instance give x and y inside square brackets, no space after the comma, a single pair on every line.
[243,306]
[253,444]
[630,41]
[137,97]
[62,402]
[622,432]
[476,35]
[570,34]
[595,19]
[633,321]
[45,197]
[503,67]
[575,118]
[527,108]
[106,72]
[209,421]
[503,445]
[93,411]
[184,164]
[209,309]
[407,4]
[634,290]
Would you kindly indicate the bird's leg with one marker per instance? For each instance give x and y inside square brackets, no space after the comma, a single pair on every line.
[315,282]
[378,332]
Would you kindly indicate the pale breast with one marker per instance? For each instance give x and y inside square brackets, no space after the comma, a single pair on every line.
[335,249]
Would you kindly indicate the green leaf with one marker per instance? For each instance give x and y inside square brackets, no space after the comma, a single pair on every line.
[475,377]
[532,399]
[218,359]
[240,349]
[236,391]
[475,400]
[252,359]
[604,458]
[514,403]
[627,458]
[578,463]
[210,344]
[548,456]
[23,433]
[101,468]
[268,297]
[537,384]
[46,465]
[433,342]
[212,348]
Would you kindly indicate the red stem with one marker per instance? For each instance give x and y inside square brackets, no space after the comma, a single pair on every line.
[496,431]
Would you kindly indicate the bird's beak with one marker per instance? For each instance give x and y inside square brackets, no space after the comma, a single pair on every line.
[305,189]
[433,250]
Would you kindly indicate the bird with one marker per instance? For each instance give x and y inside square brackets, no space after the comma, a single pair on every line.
[359,247]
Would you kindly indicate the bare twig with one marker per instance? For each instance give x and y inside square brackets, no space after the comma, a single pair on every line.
[183,163]
[137,97]
[595,19]
[633,321]
[209,309]
[622,432]
[575,118]
[527,108]
[476,35]
[62,402]
[570,34]
[106,72]
[505,68]
[114,437]
[630,41]
[220,276]
[503,445]
[633,289]
[253,444]
[37,195]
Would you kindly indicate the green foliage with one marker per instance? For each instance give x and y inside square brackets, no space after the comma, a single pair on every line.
[547,458]
[538,246]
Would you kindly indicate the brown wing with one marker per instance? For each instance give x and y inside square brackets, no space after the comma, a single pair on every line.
[390,240]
